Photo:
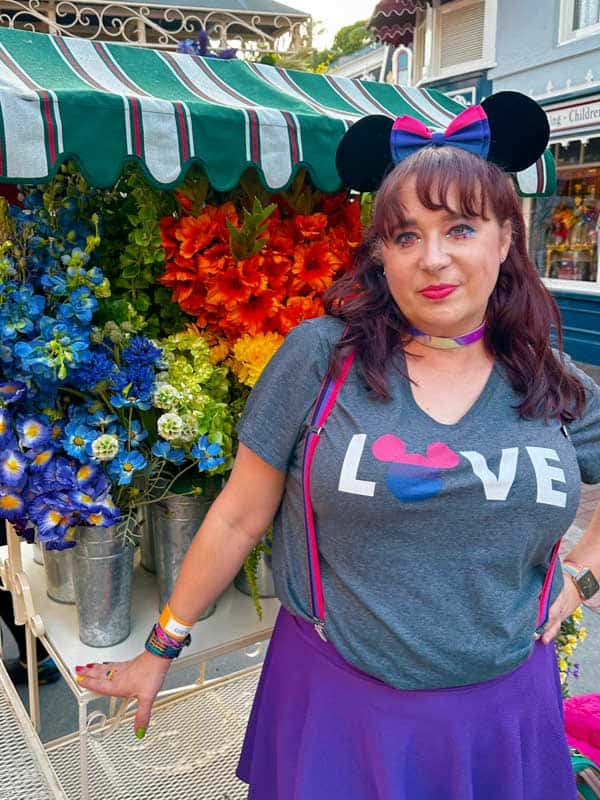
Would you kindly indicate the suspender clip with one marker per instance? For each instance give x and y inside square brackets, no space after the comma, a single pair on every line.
[320,629]
[317,431]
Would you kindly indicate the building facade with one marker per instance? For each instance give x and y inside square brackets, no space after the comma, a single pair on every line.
[551,51]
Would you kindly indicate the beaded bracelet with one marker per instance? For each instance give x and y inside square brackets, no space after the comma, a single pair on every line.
[161,644]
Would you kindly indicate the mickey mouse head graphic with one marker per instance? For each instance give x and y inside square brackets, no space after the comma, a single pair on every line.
[412,477]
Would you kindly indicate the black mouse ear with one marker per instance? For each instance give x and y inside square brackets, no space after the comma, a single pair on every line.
[363,155]
[519,130]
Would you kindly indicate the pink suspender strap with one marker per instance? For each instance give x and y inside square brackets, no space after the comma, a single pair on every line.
[325,402]
[544,606]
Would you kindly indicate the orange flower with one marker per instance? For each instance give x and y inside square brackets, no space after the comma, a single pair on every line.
[312,226]
[250,316]
[295,311]
[276,268]
[168,226]
[315,264]
[196,233]
[229,288]
[283,236]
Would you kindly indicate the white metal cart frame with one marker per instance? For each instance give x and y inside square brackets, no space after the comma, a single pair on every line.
[232,627]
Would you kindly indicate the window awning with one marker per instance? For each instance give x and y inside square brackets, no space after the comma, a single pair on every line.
[103,104]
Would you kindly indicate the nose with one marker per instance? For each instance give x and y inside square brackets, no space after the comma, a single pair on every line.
[434,255]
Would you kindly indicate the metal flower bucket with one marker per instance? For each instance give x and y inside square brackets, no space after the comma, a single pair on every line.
[60,581]
[148,558]
[38,558]
[176,520]
[264,578]
[103,572]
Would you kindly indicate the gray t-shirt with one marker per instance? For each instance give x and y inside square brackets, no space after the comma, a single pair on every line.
[434,539]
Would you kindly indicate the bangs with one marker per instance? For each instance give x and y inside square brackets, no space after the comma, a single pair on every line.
[444,179]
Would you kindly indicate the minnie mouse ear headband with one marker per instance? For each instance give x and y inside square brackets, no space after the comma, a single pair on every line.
[508,128]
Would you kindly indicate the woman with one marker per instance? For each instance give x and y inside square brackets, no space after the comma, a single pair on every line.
[441,482]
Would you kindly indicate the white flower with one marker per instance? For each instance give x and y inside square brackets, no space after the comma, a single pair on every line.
[170,426]
[189,432]
[165,396]
[105,447]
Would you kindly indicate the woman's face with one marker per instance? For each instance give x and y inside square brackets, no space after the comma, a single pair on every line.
[441,268]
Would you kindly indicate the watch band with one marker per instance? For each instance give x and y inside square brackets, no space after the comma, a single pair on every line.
[584,579]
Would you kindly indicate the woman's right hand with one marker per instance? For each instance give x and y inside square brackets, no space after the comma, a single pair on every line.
[140,678]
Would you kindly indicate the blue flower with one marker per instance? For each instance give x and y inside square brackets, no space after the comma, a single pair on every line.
[34,432]
[101,419]
[141,352]
[87,474]
[125,465]
[11,391]
[208,454]
[12,505]
[98,368]
[13,468]
[39,460]
[77,441]
[7,437]
[53,517]
[80,307]
[136,433]
[135,385]
[162,449]
[59,544]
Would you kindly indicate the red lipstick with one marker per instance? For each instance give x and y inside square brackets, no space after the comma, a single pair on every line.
[437,291]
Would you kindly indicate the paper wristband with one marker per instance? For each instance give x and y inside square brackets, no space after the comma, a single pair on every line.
[172,625]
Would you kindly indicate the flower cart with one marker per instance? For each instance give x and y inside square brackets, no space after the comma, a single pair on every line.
[188,215]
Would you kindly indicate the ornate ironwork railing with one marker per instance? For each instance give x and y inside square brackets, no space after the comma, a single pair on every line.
[157,25]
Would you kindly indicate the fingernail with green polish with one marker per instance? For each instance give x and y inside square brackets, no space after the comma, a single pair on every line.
[140,733]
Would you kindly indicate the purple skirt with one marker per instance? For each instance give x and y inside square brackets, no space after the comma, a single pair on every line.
[320,729]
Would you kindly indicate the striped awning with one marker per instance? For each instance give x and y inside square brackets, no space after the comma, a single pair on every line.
[104,104]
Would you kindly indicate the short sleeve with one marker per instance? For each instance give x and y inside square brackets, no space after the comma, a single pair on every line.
[279,405]
[585,431]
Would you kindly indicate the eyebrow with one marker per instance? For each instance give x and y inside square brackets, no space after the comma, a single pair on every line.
[407,223]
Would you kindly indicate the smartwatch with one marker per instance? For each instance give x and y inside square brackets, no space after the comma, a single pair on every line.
[583,578]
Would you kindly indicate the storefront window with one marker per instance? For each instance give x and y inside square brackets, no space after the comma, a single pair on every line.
[568,154]
[591,151]
[564,228]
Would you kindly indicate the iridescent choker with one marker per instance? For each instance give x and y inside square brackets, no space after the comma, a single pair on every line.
[446,342]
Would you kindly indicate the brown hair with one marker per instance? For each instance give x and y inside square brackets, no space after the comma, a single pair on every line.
[521,312]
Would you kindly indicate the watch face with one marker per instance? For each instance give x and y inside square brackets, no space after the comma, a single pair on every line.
[588,584]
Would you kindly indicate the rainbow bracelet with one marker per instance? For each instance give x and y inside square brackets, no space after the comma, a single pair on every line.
[161,644]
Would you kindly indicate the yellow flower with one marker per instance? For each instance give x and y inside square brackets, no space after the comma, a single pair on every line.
[251,354]
[578,614]
[219,351]
[582,634]
[567,649]
[563,677]
[562,665]
[571,639]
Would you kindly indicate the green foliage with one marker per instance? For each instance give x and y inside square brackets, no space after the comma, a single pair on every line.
[351,38]
[133,256]
[251,568]
[251,236]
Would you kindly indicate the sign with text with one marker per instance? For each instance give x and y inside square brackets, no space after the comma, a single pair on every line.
[574,115]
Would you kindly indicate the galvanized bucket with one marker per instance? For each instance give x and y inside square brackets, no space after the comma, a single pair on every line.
[176,520]
[148,558]
[103,572]
[60,582]
[264,578]
[38,558]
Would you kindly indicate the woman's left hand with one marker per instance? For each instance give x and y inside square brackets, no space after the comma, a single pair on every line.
[564,605]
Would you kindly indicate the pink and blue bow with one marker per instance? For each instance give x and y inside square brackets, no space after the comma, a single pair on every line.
[470,130]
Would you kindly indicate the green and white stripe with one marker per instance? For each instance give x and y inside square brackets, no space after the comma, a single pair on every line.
[105,103]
